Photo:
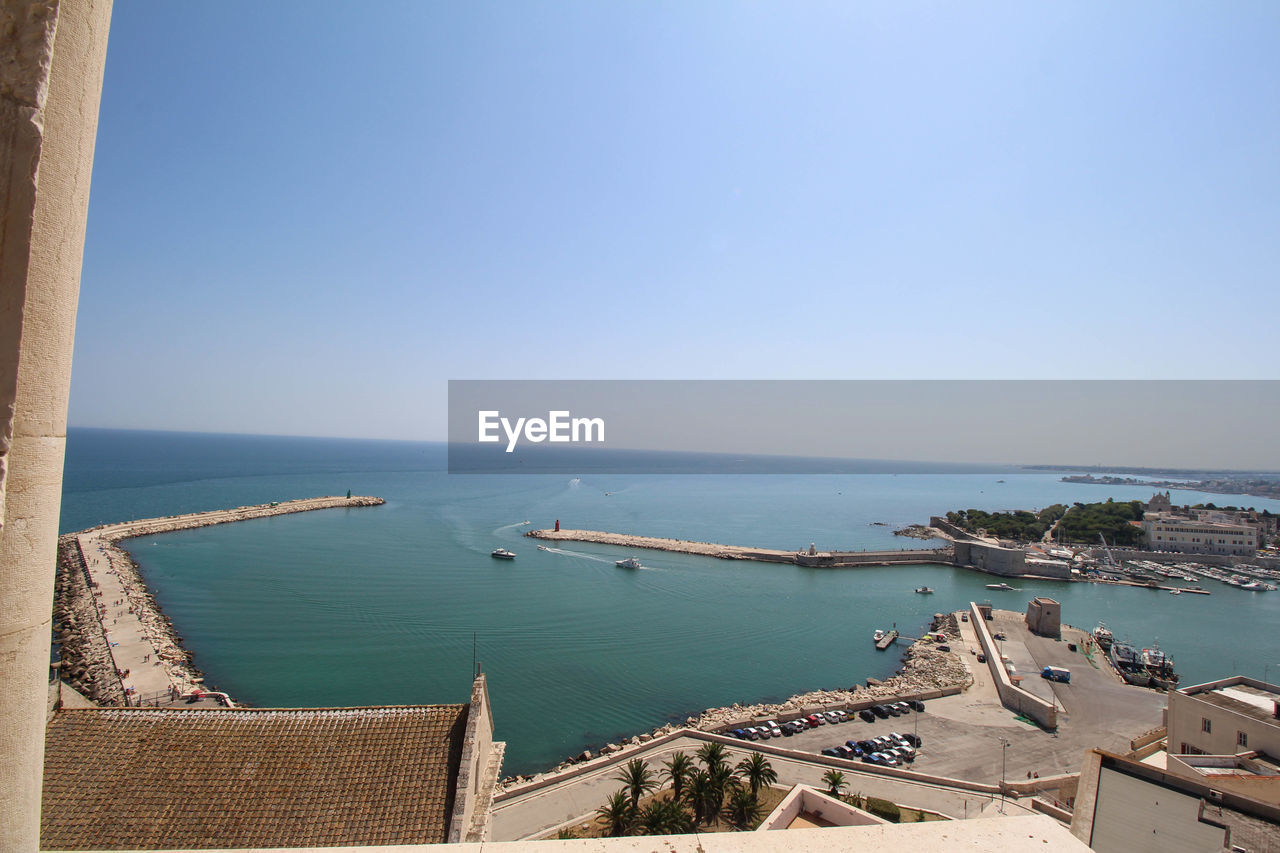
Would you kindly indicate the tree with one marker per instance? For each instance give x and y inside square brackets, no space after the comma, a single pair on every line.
[705,795]
[616,814]
[664,817]
[678,769]
[743,809]
[712,755]
[637,779]
[834,780]
[757,771]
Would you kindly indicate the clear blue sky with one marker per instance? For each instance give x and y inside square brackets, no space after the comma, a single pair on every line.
[306,217]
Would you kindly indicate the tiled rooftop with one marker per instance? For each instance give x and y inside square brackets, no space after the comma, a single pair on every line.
[144,778]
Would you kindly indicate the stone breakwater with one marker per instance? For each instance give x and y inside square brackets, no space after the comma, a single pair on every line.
[926,672]
[657,543]
[116,646]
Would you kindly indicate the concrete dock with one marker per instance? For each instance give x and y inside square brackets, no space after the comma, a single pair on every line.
[144,652]
[811,557]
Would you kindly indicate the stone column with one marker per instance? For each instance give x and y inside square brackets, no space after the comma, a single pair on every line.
[51,62]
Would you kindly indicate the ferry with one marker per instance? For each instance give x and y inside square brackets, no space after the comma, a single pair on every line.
[629,563]
[998,586]
[502,554]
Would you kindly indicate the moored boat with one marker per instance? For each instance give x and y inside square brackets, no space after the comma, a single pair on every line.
[1129,665]
[1102,635]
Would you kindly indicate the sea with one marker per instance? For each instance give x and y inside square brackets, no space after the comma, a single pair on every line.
[399,604]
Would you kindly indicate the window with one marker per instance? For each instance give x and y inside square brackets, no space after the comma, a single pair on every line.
[1206,725]
[1242,739]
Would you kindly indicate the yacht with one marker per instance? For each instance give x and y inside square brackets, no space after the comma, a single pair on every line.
[629,563]
[502,554]
[998,586]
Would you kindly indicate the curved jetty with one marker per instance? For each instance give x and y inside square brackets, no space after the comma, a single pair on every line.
[117,646]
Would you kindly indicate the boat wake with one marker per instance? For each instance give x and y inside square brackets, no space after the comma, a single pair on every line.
[593,557]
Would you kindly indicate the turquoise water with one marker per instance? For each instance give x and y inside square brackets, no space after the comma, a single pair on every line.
[383,605]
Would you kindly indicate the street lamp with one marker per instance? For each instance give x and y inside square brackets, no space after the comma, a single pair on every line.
[1004,746]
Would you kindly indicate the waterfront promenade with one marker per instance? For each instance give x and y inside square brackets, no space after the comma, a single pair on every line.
[145,654]
[808,557]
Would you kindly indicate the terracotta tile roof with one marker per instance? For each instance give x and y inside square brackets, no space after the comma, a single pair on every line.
[145,778]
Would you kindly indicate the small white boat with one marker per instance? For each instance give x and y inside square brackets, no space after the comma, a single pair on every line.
[924,590]
[878,636]
[1175,592]
[998,586]
[543,548]
[502,554]
[629,563]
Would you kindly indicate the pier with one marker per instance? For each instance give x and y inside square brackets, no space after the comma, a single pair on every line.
[136,651]
[812,558]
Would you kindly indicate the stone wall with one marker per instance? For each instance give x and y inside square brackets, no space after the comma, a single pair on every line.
[1011,696]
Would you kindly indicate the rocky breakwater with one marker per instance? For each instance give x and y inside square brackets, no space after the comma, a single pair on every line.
[925,672]
[657,543]
[115,645]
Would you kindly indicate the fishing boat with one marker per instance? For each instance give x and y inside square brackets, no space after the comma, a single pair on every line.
[1160,666]
[502,554]
[1129,665]
[629,563]
[924,590]
[1102,634]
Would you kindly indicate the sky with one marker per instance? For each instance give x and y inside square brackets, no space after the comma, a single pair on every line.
[307,217]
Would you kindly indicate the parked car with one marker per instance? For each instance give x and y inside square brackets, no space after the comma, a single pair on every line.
[867,714]
[903,707]
[833,717]
[964,617]
[867,746]
[982,658]
[917,704]
[845,752]
[894,709]
[831,751]
[944,648]
[815,720]
[880,711]
[999,635]
[751,733]
[740,734]
[913,739]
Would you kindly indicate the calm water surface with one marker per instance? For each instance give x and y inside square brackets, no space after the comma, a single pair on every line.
[385,605]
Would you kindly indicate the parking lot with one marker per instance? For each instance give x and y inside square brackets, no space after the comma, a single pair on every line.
[964,736]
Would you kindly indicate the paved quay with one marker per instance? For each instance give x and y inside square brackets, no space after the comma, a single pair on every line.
[573,801]
[145,653]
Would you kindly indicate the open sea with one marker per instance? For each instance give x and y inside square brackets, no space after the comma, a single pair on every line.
[388,605]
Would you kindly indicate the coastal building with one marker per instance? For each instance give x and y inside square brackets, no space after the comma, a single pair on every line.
[151,778]
[1238,718]
[1185,534]
[1124,805]
[1044,617]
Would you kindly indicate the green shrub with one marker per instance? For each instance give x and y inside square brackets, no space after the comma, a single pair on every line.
[884,808]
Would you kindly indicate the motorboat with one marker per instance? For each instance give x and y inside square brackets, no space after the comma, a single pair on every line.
[924,590]
[543,548]
[629,563]
[878,635]
[998,586]
[502,554]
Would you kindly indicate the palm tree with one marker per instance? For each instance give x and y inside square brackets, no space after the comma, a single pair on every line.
[702,794]
[637,780]
[664,817]
[757,771]
[743,809]
[712,755]
[616,814]
[834,780]
[679,767]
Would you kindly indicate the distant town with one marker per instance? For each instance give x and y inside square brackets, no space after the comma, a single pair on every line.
[1261,484]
